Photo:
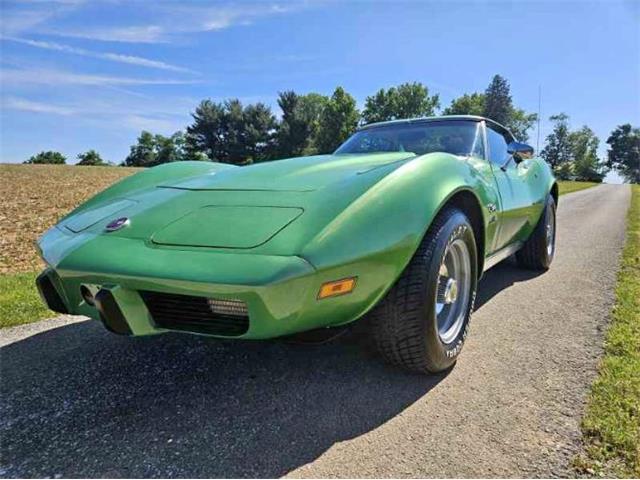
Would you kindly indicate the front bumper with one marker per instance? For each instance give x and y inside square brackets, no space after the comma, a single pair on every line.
[280,292]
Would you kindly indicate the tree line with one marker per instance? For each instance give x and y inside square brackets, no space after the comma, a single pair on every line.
[309,124]
[88,158]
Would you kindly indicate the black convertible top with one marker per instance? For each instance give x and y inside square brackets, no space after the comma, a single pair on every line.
[440,118]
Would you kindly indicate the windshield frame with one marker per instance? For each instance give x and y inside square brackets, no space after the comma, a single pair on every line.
[425,123]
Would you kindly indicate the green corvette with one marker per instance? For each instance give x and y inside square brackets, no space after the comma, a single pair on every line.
[396,226]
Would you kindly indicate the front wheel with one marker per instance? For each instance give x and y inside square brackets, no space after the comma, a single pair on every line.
[539,250]
[423,321]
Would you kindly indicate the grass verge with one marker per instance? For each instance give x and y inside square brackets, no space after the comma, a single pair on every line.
[19,300]
[568,186]
[611,425]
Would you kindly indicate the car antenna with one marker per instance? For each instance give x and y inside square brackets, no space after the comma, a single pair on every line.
[539,116]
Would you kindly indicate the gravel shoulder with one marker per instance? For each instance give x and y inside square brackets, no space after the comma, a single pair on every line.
[77,401]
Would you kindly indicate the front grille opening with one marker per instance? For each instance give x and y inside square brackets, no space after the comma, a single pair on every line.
[210,316]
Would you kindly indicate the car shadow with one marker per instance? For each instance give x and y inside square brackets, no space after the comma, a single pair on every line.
[77,401]
[500,278]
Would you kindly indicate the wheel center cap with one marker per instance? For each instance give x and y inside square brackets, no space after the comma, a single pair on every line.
[451,291]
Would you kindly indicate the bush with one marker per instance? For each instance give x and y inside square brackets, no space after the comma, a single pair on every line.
[92,158]
[48,157]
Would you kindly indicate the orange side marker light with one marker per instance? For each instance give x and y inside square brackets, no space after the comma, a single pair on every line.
[337,287]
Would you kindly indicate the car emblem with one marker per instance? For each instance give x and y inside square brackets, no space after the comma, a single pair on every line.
[117,224]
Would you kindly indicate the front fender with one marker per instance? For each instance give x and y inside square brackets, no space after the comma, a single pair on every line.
[548,180]
[385,225]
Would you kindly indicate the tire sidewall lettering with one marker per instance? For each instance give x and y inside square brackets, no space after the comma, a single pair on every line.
[454,348]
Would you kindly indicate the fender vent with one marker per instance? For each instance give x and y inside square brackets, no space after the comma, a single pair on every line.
[228,318]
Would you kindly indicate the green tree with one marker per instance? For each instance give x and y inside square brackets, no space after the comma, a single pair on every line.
[47,157]
[409,100]
[520,122]
[339,119]
[234,146]
[467,104]
[231,133]
[498,105]
[558,151]
[293,130]
[565,171]
[143,153]
[91,158]
[573,154]
[206,134]
[169,149]
[624,152]
[312,105]
[259,133]
[299,124]
[151,150]
[584,149]
[379,106]
[413,100]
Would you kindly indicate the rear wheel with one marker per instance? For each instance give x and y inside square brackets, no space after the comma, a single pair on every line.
[423,321]
[539,250]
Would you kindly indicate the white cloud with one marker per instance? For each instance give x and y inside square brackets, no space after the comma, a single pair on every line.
[119,116]
[193,18]
[60,77]
[14,103]
[25,16]
[133,34]
[163,126]
[141,61]
[113,110]
[19,21]
[114,57]
[53,2]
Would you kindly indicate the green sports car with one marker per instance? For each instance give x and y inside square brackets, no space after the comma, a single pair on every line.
[395,226]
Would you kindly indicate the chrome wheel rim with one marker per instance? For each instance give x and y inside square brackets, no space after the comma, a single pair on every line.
[452,293]
[551,234]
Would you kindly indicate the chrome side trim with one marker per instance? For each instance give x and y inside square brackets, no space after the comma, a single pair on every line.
[501,255]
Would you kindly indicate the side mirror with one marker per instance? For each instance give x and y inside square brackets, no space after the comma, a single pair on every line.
[520,151]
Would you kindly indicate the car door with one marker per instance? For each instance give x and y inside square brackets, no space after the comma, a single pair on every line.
[513,184]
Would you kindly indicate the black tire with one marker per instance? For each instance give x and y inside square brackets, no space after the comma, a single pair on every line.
[539,249]
[405,324]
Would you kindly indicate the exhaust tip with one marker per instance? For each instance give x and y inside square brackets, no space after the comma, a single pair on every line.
[87,296]
[110,313]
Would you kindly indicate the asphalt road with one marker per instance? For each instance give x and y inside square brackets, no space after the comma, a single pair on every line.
[76,401]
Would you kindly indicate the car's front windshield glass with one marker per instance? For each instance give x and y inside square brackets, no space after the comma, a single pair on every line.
[458,137]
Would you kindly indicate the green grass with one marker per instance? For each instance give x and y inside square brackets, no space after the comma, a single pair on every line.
[568,186]
[611,425]
[19,300]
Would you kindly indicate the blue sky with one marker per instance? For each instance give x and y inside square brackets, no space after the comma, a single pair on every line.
[80,74]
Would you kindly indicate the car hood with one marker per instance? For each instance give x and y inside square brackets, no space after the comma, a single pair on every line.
[274,207]
[303,174]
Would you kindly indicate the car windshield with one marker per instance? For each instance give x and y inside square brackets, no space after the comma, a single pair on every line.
[457,137]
